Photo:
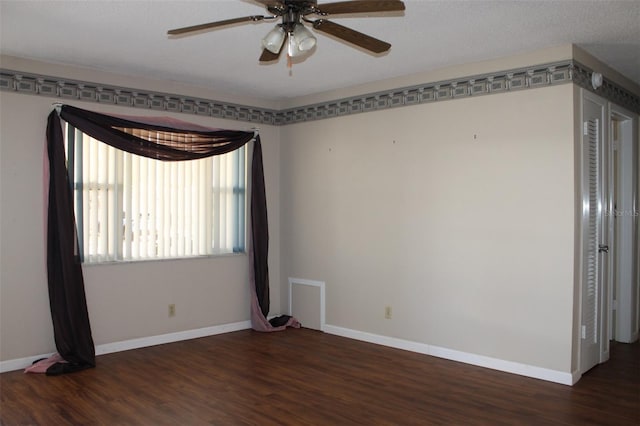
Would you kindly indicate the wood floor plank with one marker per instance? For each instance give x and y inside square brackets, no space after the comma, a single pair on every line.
[304,377]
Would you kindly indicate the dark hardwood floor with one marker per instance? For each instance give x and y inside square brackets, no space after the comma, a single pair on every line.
[304,377]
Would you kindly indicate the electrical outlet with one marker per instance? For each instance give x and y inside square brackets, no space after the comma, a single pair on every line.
[172,310]
[387,312]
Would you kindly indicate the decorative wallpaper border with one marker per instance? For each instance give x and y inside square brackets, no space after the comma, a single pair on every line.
[609,90]
[477,85]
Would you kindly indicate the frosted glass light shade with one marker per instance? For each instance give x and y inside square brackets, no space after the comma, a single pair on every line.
[292,49]
[273,41]
[302,38]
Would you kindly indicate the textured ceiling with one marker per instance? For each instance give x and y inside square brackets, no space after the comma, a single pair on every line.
[130,37]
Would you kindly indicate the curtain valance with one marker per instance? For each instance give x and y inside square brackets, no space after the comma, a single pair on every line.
[167,139]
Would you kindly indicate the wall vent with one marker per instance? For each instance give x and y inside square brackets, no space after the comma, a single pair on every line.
[307,302]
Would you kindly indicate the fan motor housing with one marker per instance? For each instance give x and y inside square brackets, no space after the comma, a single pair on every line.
[302,7]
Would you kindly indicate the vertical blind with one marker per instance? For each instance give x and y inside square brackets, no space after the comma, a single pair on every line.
[130,207]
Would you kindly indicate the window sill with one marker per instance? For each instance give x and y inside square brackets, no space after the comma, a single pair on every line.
[163,260]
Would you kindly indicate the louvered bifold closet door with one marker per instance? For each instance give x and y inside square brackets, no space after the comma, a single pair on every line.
[593,196]
[591,268]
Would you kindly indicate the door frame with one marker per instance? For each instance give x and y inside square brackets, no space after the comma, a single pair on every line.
[608,311]
[624,309]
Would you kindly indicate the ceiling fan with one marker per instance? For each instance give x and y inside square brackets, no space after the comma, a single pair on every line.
[295,36]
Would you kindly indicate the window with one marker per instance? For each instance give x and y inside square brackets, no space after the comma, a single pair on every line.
[130,207]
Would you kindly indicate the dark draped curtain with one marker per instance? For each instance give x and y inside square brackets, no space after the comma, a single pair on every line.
[72,330]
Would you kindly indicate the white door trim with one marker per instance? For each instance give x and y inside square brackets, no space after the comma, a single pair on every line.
[626,217]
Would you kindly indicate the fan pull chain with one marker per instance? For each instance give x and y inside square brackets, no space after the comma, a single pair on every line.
[290,65]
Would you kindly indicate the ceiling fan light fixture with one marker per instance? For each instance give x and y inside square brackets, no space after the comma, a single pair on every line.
[303,38]
[274,39]
[293,50]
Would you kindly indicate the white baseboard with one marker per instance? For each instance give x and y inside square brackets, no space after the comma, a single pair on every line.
[20,363]
[454,355]
[450,354]
[125,345]
[575,376]
[161,339]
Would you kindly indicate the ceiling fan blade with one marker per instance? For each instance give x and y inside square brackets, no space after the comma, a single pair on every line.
[268,2]
[212,25]
[360,6]
[352,36]
[268,56]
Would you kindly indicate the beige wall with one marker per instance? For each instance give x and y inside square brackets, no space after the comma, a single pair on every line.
[125,301]
[458,214]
